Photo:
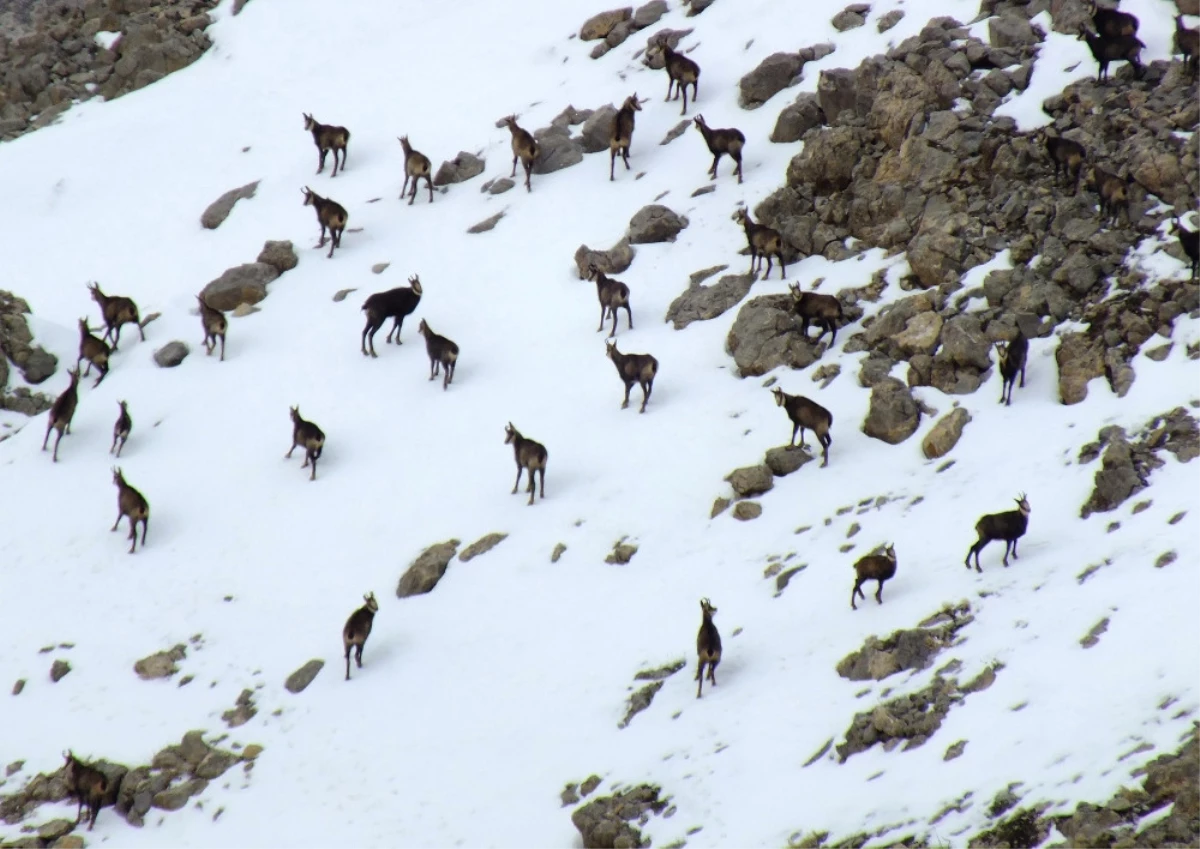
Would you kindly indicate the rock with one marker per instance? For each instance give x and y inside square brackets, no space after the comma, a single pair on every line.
[243,310]
[377,268]
[219,209]
[893,415]
[1011,30]
[965,344]
[702,303]
[251,752]
[68,841]
[617,35]
[766,334]
[674,133]
[1117,479]
[555,152]
[243,710]
[655,223]
[596,129]
[937,252]
[424,572]
[653,59]
[160,664]
[280,255]
[340,294]
[889,20]
[18,686]
[920,334]
[1079,361]
[852,17]
[481,546]
[744,511]
[615,260]
[827,161]
[622,553]
[55,829]
[751,480]
[559,550]
[460,168]
[784,460]
[499,187]
[698,6]
[604,822]
[176,796]
[192,748]
[945,434]
[58,670]
[171,354]
[599,26]
[242,284]
[796,120]
[649,13]
[302,677]
[639,700]
[21,400]
[217,761]
[39,365]
[486,224]
[773,75]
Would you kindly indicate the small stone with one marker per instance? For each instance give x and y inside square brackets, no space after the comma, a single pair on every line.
[302,677]
[377,268]
[1165,559]
[219,209]
[68,841]
[744,511]
[215,764]
[559,549]
[171,354]
[622,553]
[751,480]
[589,786]
[955,750]
[340,294]
[160,664]
[55,829]
[192,747]
[18,686]
[481,546]
[251,752]
[720,505]
[58,670]
[281,255]
[13,767]
[499,187]
[569,795]
[486,224]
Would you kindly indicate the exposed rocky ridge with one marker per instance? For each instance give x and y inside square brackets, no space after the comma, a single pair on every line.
[907,649]
[606,822]
[34,362]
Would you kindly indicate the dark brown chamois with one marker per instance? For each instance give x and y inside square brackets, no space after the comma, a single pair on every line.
[1187,43]
[1067,157]
[311,437]
[121,429]
[524,148]
[805,413]
[93,349]
[416,166]
[131,503]
[442,352]
[1123,48]
[825,310]
[215,324]
[1189,240]
[357,629]
[1111,190]
[873,567]
[62,411]
[530,455]
[708,646]
[331,215]
[1011,357]
[1008,526]
[118,311]
[681,72]
[621,134]
[394,304]
[763,242]
[1111,23]
[328,137]
[634,368]
[724,141]
[85,783]
[613,295]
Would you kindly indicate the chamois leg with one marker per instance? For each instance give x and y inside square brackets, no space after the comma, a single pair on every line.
[222,346]
[737,157]
[629,315]
[683,111]
[1022,375]
[825,443]
[603,315]
[628,389]
[879,592]
[857,591]
[429,184]
[612,163]
[321,243]
[802,436]
[404,187]
[335,162]
[792,441]
[699,677]
[670,85]
[116,336]
[321,160]
[371,328]
[114,527]
[1014,551]
[86,371]
[57,440]
[712,172]
[358,647]
[432,369]
[518,480]
[132,534]
[542,473]
[514,171]
[412,196]
[613,312]
[313,455]
[528,172]
[103,369]
[447,376]
[782,266]
[49,427]
[288,455]
[712,671]
[532,488]
[625,156]
[646,387]
[145,527]
[348,647]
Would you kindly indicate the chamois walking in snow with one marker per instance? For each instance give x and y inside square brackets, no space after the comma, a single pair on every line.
[1122,48]
[394,304]
[634,368]
[1189,240]
[215,324]
[85,783]
[416,166]
[1011,356]
[357,629]
[121,429]
[723,141]
[1111,190]
[442,352]
[524,148]
[311,437]
[621,134]
[873,567]
[530,456]
[825,310]
[613,295]
[62,411]
[708,646]
[1008,526]
[763,242]
[805,413]
[118,311]
[1111,23]
[1187,43]
[131,503]
[331,215]
[681,72]
[93,349]
[1067,157]
[328,137]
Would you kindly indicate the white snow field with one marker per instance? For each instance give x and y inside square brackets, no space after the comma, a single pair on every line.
[479,700]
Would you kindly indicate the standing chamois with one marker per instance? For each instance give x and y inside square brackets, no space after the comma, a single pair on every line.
[1111,190]
[524,148]
[131,503]
[1189,240]
[86,784]
[311,437]
[331,215]
[873,567]
[117,311]
[63,411]
[1187,43]
[613,295]
[825,310]
[215,324]
[634,368]
[729,140]
[621,134]
[327,137]
[1067,156]
[681,72]
[94,350]
[1012,357]
[1111,23]
[394,304]
[416,166]
[708,646]
[121,429]
[442,354]
[763,242]
[805,413]
[1009,526]
[1105,49]
[357,629]
[530,455]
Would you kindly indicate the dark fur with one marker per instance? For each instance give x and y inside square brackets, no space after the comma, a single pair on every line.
[93,349]
[1113,195]
[121,429]
[681,72]
[357,629]
[416,166]
[524,148]
[613,295]
[133,504]
[1186,42]
[62,411]
[331,215]
[763,242]
[825,310]
[873,567]
[1012,358]
[86,784]
[1112,23]
[328,137]
[529,455]
[215,325]
[394,304]
[1189,240]
[311,437]
[1009,526]
[1067,156]
[621,134]
[708,646]
[442,352]
[634,368]
[117,311]
[1123,48]
[805,413]
[723,141]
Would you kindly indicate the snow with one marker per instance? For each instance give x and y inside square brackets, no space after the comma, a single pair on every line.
[478,701]
[107,39]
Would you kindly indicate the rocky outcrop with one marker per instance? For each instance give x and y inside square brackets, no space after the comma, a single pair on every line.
[16,344]
[893,415]
[909,649]
[1080,360]
[280,255]
[1126,466]
[459,169]
[910,719]
[766,334]
[945,434]
[424,573]
[242,284]
[775,73]
[219,209]
[615,260]
[606,822]
[702,303]
[655,223]
[797,119]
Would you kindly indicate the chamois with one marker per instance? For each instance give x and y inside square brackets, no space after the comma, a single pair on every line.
[121,429]
[681,72]
[530,455]
[131,503]
[1012,357]
[442,354]
[1187,43]
[613,295]
[1111,23]
[87,784]
[708,646]
[215,324]
[328,137]
[1122,48]
[394,304]
[634,368]
[310,436]
[524,148]
[357,629]
[729,140]
[416,166]
[1112,192]
[1067,156]
[94,350]
[825,310]
[873,567]
[763,242]
[621,134]
[805,413]
[1008,526]
[331,215]
[62,411]
[1189,240]
[117,311]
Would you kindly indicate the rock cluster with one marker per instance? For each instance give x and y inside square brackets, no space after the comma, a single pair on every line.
[900,651]
[16,346]
[1125,466]
[611,28]
[607,821]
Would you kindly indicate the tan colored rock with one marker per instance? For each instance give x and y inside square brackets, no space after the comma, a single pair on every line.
[1079,361]
[599,26]
[920,334]
[945,434]
[744,511]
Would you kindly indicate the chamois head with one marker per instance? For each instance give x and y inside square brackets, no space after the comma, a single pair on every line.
[780,397]
[308,121]
[739,215]
[371,604]
[706,607]
[415,282]
[118,478]
[1022,504]
[890,552]
[633,103]
[510,433]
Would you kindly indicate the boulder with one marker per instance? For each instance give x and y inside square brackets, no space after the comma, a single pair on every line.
[555,152]
[160,664]
[945,434]
[615,260]
[460,168]
[773,75]
[701,303]
[597,128]
[920,334]
[499,187]
[1011,30]
[39,365]
[171,354]
[784,460]
[652,58]
[1079,361]
[766,334]
[889,20]
[655,223]
[242,284]
[937,252]
[796,120]
[893,415]
[751,480]
[280,255]
[648,14]
[852,17]
[965,344]
[599,26]
[744,511]
[481,546]
[219,210]
[424,573]
[302,677]
[828,160]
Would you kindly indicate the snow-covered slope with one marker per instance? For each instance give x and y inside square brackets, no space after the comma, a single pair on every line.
[478,701]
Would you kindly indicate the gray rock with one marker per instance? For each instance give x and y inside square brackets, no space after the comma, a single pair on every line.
[893,415]
[702,303]
[1116,479]
[555,152]
[674,133]
[889,20]
[302,677]
[160,664]
[965,344]
[217,762]
[766,334]
[171,354]
[621,553]
[920,334]
[424,573]
[281,255]
[486,224]
[751,480]
[243,710]
[796,120]
[649,13]
[459,169]
[784,460]
[499,187]
[604,822]
[481,546]
[219,209]
[242,284]
[744,511]
[1011,30]
[176,796]
[773,75]
[58,670]
[1079,361]
[38,366]
[695,7]
[617,35]
[599,26]
[852,17]
[945,434]
[653,59]
[55,829]
[192,748]
[655,223]
[615,260]
[597,128]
